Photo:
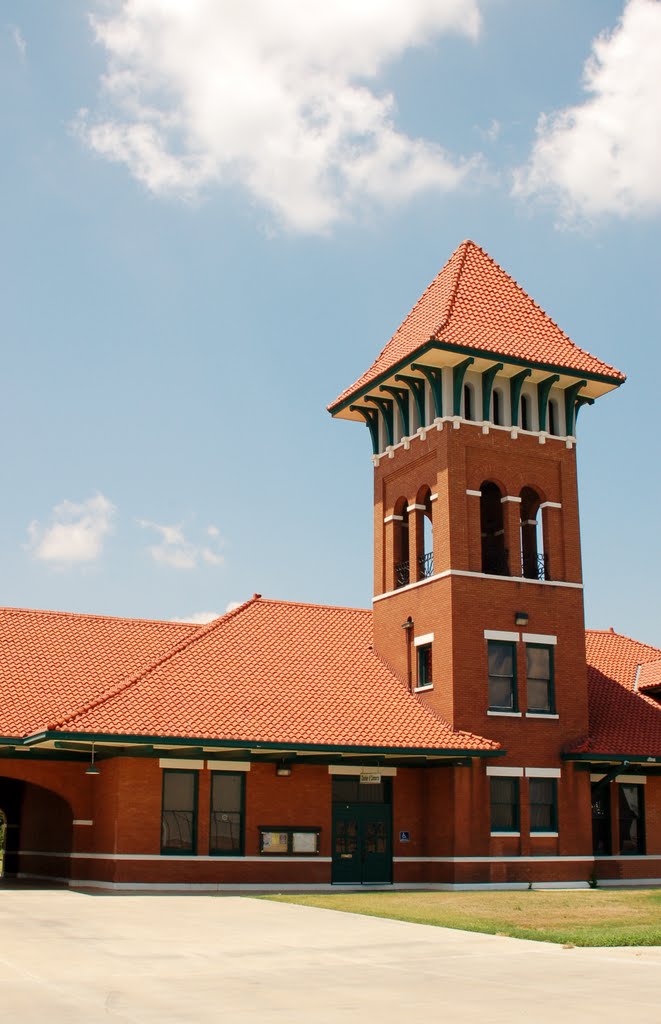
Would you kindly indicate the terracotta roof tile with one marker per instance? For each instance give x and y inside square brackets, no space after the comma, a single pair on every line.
[473,303]
[278,672]
[54,662]
[622,721]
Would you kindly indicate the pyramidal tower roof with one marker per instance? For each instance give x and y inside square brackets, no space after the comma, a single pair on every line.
[474,305]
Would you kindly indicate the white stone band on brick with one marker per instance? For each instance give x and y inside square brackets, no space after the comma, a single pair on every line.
[543,773]
[539,638]
[499,634]
[426,638]
[496,769]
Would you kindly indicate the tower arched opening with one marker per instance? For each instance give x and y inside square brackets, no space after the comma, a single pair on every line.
[495,560]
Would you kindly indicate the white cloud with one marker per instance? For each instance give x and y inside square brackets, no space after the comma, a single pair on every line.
[19,41]
[232,606]
[178,552]
[604,155]
[198,618]
[273,97]
[76,533]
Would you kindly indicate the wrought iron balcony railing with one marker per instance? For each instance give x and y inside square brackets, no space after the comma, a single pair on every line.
[402,574]
[535,567]
[426,565]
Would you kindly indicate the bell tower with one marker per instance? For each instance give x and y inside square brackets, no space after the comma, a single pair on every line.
[478,593]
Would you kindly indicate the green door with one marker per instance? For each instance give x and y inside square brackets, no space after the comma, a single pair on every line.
[362,847]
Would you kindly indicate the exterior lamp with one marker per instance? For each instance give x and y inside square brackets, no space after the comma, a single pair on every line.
[92,768]
[283,769]
[520,618]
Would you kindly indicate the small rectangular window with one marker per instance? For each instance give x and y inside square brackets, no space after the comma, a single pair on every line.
[425,677]
[504,804]
[543,805]
[539,661]
[179,812]
[277,841]
[632,818]
[502,676]
[226,824]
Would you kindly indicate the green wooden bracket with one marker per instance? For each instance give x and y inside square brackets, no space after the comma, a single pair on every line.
[516,383]
[543,390]
[434,375]
[571,394]
[371,418]
[488,378]
[417,386]
[386,407]
[458,374]
[580,402]
[401,396]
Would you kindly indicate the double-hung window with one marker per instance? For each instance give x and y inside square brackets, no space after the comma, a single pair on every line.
[543,794]
[502,675]
[539,663]
[424,677]
[179,812]
[504,803]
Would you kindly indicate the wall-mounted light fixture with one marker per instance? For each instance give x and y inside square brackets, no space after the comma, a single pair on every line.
[283,769]
[92,768]
[521,618]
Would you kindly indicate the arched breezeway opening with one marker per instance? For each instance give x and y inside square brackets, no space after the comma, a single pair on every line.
[38,830]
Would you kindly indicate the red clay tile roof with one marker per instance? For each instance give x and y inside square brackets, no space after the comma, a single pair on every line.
[649,677]
[275,672]
[622,721]
[474,304]
[53,662]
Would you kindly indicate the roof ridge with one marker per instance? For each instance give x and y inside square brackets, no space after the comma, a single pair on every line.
[54,613]
[460,269]
[631,639]
[198,634]
[534,302]
[315,604]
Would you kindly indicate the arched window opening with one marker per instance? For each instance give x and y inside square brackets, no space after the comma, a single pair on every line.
[424,534]
[553,416]
[494,552]
[401,544]
[497,407]
[525,412]
[468,402]
[534,563]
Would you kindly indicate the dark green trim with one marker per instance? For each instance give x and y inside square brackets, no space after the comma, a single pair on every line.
[516,383]
[434,344]
[371,418]
[401,396]
[458,374]
[580,402]
[641,759]
[571,394]
[252,745]
[386,407]
[434,375]
[417,386]
[167,851]
[242,837]
[543,389]
[44,755]
[488,378]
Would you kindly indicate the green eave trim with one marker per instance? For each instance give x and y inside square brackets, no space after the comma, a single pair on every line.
[478,353]
[618,758]
[326,748]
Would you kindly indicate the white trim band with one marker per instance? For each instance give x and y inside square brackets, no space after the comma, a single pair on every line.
[183,763]
[76,821]
[550,504]
[476,575]
[228,766]
[474,494]
[426,638]
[499,634]
[497,770]
[416,508]
[359,769]
[394,519]
[539,638]
[510,497]
[543,773]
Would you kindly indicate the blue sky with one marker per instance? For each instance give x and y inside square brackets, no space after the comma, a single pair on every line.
[213,221]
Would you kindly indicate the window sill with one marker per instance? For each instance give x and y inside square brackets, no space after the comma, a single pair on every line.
[541,714]
[543,835]
[494,834]
[505,714]
[422,689]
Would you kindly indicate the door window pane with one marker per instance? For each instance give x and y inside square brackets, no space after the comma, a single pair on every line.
[226,824]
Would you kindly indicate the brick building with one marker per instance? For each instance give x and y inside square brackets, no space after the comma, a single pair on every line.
[465,731]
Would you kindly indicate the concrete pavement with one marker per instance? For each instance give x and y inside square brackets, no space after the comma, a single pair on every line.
[68,957]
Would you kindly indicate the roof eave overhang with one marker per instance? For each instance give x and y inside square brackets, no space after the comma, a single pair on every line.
[48,737]
[613,758]
[338,407]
